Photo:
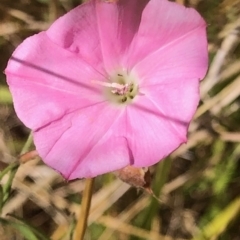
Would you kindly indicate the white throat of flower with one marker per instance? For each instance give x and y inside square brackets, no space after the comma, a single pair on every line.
[121,89]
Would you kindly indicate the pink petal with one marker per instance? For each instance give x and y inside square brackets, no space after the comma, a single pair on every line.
[47,81]
[110,154]
[177,100]
[118,23]
[186,58]
[152,132]
[83,144]
[77,31]
[163,25]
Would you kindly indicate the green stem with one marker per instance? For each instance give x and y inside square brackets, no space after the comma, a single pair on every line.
[10,167]
[27,144]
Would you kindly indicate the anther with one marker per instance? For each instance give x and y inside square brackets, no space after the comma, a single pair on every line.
[124,99]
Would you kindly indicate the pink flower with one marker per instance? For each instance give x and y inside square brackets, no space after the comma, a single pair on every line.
[110,84]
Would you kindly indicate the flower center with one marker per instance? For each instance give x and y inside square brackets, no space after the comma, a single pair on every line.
[121,88]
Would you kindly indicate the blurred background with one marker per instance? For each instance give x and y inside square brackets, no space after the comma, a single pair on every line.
[198,186]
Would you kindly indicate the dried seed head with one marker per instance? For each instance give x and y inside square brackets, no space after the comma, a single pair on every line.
[137,177]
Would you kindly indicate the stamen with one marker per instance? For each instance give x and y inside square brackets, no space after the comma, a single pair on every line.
[119,89]
[124,99]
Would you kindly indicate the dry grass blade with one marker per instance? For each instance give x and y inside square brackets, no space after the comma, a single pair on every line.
[226,96]
[228,44]
[131,230]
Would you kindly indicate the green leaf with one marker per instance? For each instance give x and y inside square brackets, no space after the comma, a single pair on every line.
[7,187]
[34,230]
[21,228]
[220,222]
[1,198]
[8,168]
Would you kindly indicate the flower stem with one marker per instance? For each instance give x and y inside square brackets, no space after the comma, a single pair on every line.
[85,207]
[27,144]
